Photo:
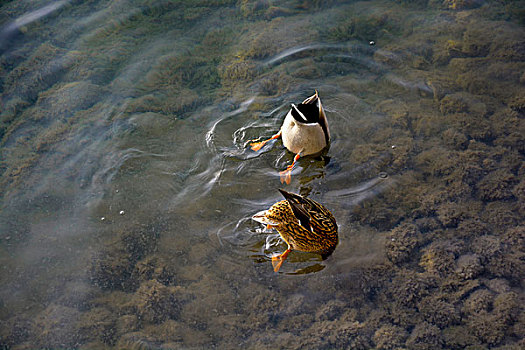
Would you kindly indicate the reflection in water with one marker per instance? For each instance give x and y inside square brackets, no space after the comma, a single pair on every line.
[127,187]
[310,269]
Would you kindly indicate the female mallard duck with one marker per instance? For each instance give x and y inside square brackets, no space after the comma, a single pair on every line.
[304,132]
[302,223]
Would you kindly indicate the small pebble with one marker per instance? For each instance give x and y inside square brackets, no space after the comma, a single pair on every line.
[121,212]
[116,191]
[383,175]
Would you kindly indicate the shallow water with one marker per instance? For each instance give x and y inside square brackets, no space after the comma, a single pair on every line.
[127,184]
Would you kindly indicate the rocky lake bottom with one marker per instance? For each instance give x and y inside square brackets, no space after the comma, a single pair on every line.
[127,187]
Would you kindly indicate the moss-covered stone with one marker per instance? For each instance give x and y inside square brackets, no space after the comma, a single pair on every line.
[98,324]
[453,104]
[364,26]
[478,302]
[487,328]
[507,307]
[390,337]
[409,287]
[439,257]
[114,267]
[155,268]
[425,336]
[41,70]
[496,185]
[459,337]
[401,243]
[501,215]
[155,302]
[14,330]
[58,326]
[339,334]
[439,312]
[469,266]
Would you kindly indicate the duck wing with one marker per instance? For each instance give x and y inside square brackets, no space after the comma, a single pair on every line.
[323,122]
[297,204]
[313,109]
[298,115]
[308,112]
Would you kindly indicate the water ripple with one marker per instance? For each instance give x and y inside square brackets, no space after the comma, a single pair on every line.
[29,18]
[316,48]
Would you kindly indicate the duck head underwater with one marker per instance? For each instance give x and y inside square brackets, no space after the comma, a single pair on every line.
[302,223]
[304,132]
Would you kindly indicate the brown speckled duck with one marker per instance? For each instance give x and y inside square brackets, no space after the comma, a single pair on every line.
[302,223]
[304,132]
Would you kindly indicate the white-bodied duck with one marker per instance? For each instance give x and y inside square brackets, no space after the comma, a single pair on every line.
[304,132]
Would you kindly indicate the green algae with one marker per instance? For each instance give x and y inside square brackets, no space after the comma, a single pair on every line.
[363,26]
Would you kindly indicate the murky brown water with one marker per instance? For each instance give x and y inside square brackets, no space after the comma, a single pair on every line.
[127,186]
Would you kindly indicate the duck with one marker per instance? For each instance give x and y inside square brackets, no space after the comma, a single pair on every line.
[304,132]
[302,223]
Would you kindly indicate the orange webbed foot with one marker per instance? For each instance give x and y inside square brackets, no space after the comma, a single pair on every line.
[277,260]
[286,175]
[276,263]
[256,146]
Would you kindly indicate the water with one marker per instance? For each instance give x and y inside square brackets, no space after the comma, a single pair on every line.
[127,184]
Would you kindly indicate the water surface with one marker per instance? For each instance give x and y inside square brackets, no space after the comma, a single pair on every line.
[127,184]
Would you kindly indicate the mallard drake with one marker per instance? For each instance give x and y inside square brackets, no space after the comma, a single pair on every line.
[302,223]
[304,132]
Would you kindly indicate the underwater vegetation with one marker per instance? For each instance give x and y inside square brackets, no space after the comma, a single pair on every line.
[445,120]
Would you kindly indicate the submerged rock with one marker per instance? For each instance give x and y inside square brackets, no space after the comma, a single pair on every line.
[58,327]
[155,302]
[487,327]
[337,334]
[496,185]
[14,330]
[401,242]
[112,269]
[437,311]
[469,266]
[136,341]
[153,267]
[439,256]
[462,4]
[409,287]
[390,337]
[98,324]
[478,302]
[126,324]
[425,336]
